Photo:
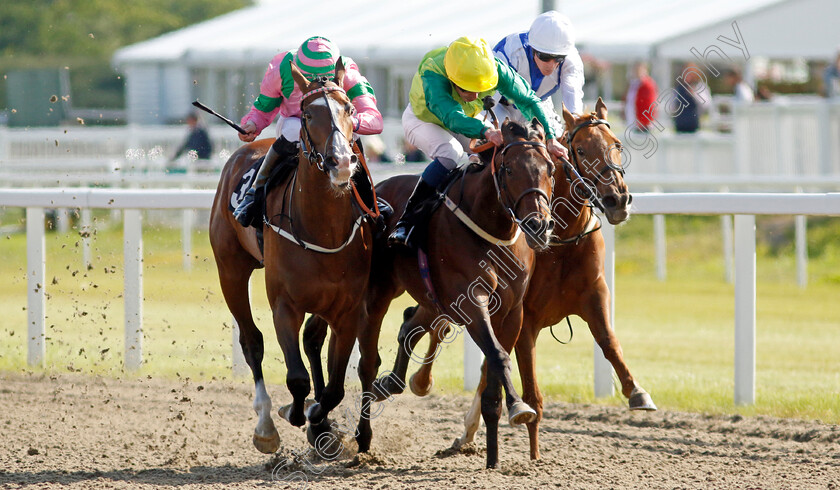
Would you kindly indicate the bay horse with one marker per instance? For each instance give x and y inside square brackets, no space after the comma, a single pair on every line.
[568,278]
[478,268]
[317,254]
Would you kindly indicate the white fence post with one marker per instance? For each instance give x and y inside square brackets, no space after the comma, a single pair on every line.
[86,230]
[744,309]
[473,357]
[133,293]
[661,248]
[603,371]
[802,250]
[728,264]
[36,274]
[238,364]
[187,218]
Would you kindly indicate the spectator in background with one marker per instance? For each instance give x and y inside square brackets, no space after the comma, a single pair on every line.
[640,101]
[763,93]
[412,153]
[742,91]
[698,99]
[197,140]
[375,149]
[831,78]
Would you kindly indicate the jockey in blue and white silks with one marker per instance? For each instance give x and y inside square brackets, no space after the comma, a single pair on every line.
[546,57]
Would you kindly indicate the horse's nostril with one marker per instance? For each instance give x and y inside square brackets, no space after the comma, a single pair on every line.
[610,201]
[629,198]
[354,159]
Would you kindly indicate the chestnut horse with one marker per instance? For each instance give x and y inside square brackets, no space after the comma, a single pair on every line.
[317,254]
[568,279]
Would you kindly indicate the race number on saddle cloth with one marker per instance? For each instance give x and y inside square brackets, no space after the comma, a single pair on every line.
[551,38]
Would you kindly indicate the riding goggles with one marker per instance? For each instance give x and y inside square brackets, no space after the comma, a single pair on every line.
[549,57]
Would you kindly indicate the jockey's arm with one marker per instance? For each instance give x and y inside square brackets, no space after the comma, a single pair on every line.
[368,119]
[514,88]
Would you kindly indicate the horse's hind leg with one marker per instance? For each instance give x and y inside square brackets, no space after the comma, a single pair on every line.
[421,382]
[314,334]
[595,314]
[234,272]
[526,359]
[417,322]
[472,418]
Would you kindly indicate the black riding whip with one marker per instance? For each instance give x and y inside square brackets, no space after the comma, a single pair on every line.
[223,118]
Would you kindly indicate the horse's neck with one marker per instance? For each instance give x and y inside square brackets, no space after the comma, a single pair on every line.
[318,211]
[484,208]
[570,213]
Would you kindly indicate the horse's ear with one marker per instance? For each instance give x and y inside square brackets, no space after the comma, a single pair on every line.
[299,79]
[568,118]
[506,131]
[537,126]
[601,109]
[339,72]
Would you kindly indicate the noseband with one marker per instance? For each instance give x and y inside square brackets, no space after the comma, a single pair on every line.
[499,177]
[309,151]
[569,168]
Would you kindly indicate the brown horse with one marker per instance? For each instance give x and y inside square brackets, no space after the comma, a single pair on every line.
[317,254]
[478,265]
[568,279]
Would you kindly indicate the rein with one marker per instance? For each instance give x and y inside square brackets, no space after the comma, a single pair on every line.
[569,168]
[500,186]
[311,153]
[319,160]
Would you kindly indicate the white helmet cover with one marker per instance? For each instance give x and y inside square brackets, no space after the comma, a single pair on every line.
[552,33]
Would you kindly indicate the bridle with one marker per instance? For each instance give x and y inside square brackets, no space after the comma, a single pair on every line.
[499,179]
[574,168]
[315,157]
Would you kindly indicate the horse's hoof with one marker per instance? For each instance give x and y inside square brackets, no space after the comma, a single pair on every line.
[286,412]
[315,414]
[384,387]
[267,445]
[417,389]
[521,413]
[640,400]
[327,446]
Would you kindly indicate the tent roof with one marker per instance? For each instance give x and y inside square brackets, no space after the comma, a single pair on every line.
[400,30]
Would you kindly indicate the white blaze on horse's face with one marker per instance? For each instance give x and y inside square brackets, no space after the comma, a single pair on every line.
[338,148]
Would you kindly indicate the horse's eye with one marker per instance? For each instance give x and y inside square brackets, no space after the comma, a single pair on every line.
[350,109]
[580,151]
[307,115]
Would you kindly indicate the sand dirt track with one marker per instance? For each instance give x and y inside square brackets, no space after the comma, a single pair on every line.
[82,432]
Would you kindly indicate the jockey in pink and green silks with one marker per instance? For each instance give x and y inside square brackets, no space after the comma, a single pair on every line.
[280,97]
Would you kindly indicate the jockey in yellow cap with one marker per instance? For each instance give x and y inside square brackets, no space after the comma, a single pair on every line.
[445,97]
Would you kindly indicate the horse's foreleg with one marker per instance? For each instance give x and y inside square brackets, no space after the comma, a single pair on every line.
[596,314]
[233,277]
[500,343]
[314,334]
[341,346]
[491,411]
[287,326]
[369,363]
[526,359]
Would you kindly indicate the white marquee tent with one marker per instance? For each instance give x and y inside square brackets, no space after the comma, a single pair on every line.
[222,60]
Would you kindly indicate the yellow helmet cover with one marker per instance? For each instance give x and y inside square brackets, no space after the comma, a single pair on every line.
[471,65]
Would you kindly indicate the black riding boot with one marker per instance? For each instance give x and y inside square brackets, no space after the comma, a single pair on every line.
[405,226]
[280,152]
